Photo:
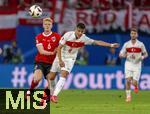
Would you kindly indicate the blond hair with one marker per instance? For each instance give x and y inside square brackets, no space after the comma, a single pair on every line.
[48,19]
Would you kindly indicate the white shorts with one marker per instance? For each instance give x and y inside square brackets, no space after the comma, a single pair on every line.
[69,63]
[134,74]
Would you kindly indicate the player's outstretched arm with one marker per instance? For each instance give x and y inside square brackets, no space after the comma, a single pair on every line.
[102,43]
[44,52]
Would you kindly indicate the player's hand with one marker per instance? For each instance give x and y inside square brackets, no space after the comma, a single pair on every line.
[61,63]
[55,51]
[114,45]
[52,53]
[123,55]
[141,58]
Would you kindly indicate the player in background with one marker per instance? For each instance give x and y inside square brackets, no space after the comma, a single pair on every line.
[135,52]
[46,43]
[1,51]
[67,51]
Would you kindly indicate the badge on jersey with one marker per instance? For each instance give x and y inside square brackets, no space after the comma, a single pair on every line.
[44,40]
[53,38]
[74,44]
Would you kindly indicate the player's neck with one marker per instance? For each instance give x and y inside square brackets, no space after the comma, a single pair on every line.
[133,41]
[76,36]
[47,33]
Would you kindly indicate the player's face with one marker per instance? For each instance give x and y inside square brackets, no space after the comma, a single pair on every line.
[79,32]
[47,25]
[133,35]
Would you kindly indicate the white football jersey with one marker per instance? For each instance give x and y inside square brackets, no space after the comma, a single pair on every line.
[134,53]
[72,45]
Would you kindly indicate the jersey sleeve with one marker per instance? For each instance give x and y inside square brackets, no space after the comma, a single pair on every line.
[143,48]
[123,50]
[88,41]
[64,39]
[38,40]
[58,36]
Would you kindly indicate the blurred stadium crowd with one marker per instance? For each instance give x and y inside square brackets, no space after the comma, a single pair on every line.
[79,4]
[14,53]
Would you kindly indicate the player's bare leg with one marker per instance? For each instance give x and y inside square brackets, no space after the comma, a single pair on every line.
[37,76]
[128,90]
[49,91]
[135,83]
[59,85]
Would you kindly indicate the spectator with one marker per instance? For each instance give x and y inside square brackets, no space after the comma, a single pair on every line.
[136,3]
[146,3]
[1,55]
[83,4]
[23,4]
[7,54]
[0,51]
[47,4]
[17,55]
[112,58]
[106,4]
[12,3]
[118,4]
[12,54]
[82,58]
[131,2]
[72,4]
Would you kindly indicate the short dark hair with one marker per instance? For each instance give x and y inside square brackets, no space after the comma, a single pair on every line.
[134,29]
[81,25]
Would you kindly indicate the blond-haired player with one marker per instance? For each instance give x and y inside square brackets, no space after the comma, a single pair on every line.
[46,44]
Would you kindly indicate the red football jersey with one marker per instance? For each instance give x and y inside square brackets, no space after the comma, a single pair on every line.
[49,42]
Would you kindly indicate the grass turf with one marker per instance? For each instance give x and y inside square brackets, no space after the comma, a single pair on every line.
[101,102]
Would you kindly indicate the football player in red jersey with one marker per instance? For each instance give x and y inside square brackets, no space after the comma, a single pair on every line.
[46,43]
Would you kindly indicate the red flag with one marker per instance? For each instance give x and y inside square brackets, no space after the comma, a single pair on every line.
[8,24]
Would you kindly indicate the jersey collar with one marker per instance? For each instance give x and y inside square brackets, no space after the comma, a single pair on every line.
[135,42]
[47,34]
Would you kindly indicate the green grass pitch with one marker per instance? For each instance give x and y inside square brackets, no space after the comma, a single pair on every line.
[101,102]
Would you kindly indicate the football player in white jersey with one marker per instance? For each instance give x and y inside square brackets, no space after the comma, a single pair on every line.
[67,52]
[135,52]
